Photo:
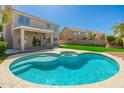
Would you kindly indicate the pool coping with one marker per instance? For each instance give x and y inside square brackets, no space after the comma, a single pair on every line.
[9,80]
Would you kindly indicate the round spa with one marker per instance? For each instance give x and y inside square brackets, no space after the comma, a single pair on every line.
[70,59]
[64,69]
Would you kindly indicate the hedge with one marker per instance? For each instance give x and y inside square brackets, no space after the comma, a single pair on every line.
[1,28]
[111,39]
[3,47]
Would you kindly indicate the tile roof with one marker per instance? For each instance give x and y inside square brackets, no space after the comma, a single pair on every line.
[81,30]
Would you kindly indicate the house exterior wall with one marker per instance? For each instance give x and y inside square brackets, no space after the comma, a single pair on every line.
[16,40]
[7,34]
[67,36]
[70,35]
[10,34]
[84,42]
[34,22]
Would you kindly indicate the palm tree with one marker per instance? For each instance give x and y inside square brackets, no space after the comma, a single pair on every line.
[6,16]
[6,13]
[118,30]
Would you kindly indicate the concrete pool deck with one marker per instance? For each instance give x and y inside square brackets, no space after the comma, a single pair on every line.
[9,80]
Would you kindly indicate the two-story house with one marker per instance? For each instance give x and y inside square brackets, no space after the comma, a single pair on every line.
[81,37]
[79,34]
[29,32]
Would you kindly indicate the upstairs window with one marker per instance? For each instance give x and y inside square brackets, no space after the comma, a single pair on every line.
[48,26]
[23,21]
[55,29]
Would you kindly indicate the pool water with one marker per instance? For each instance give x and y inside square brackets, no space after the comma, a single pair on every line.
[64,69]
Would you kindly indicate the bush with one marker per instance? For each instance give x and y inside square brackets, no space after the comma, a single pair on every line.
[119,41]
[111,39]
[1,28]
[3,47]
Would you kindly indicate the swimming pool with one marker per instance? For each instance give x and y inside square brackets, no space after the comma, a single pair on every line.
[64,69]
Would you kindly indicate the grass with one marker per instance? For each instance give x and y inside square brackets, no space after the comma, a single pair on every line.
[79,47]
[3,57]
[92,48]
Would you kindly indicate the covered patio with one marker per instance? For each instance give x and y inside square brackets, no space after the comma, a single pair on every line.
[26,38]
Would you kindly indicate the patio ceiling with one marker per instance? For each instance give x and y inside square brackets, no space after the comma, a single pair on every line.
[32,29]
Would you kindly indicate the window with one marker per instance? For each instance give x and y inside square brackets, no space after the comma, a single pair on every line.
[78,33]
[75,34]
[55,29]
[48,26]
[24,21]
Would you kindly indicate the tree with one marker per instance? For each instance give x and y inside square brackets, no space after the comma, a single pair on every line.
[6,13]
[5,17]
[118,30]
[1,28]
[91,36]
[119,41]
[111,39]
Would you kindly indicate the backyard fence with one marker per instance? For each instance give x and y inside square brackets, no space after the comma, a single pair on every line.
[84,42]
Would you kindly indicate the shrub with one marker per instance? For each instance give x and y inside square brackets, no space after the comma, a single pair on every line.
[91,36]
[111,39]
[3,47]
[119,41]
[114,40]
[1,28]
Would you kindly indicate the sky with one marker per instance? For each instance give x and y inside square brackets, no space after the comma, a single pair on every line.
[97,18]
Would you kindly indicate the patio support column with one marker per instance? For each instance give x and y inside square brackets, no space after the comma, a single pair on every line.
[51,39]
[22,40]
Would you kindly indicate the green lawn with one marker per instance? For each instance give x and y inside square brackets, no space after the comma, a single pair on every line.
[92,48]
[3,57]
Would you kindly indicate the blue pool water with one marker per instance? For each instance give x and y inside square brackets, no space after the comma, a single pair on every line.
[65,69]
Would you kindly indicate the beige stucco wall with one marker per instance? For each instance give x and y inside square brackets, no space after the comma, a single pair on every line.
[16,40]
[7,34]
[67,37]
[83,42]
[11,36]
[34,22]
[67,34]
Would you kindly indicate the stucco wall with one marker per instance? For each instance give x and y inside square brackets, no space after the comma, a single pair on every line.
[12,36]
[16,40]
[7,34]
[67,34]
[34,22]
[83,42]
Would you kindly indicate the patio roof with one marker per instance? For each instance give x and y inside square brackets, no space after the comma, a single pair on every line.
[33,29]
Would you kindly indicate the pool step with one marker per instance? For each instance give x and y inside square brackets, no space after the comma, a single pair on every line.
[19,64]
[21,69]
